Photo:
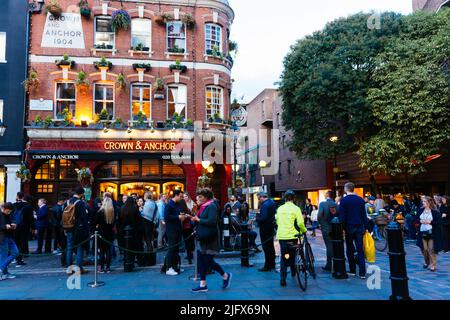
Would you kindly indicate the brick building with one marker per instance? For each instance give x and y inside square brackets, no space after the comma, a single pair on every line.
[170,68]
[430,5]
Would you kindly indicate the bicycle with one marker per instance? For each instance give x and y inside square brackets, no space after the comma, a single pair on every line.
[304,264]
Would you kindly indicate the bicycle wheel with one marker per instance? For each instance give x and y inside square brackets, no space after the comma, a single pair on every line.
[309,257]
[381,240]
[301,271]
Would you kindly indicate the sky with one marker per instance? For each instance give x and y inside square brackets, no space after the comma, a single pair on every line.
[265,30]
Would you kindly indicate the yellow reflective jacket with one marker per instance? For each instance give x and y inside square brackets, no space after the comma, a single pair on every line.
[286,217]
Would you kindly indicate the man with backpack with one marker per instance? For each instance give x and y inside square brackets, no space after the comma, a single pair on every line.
[24,218]
[76,227]
[327,209]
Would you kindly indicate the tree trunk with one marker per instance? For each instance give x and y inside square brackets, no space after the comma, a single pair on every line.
[373,185]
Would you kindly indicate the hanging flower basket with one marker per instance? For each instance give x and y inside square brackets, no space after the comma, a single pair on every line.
[203,181]
[85,11]
[85,176]
[32,82]
[120,20]
[54,8]
[240,182]
[23,173]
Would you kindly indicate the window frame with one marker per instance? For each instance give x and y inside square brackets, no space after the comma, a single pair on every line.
[149,34]
[210,40]
[167,35]
[55,99]
[167,100]
[222,107]
[95,31]
[149,116]
[113,101]
[3,47]
[2,108]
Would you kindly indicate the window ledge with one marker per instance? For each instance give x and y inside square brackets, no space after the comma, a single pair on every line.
[3,61]
[133,52]
[167,53]
[95,50]
[207,56]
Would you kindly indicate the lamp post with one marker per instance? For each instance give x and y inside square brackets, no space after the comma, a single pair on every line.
[262,165]
[2,128]
[334,140]
[235,165]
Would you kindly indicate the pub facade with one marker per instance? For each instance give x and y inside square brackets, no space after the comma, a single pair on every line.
[113,102]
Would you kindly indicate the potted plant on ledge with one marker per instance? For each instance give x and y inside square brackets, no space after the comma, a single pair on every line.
[23,173]
[144,66]
[104,115]
[103,46]
[82,83]
[159,89]
[32,82]
[103,63]
[178,66]
[176,49]
[65,61]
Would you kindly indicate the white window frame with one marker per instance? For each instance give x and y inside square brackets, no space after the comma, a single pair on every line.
[221,111]
[104,101]
[149,32]
[55,99]
[112,32]
[141,99]
[2,47]
[167,102]
[185,35]
[208,38]
[1,110]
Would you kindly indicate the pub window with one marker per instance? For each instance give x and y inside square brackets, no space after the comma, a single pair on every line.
[141,33]
[45,188]
[46,171]
[150,168]
[130,168]
[289,166]
[67,170]
[104,35]
[177,100]
[104,98]
[214,102]
[65,97]
[172,170]
[2,47]
[2,184]
[176,36]
[141,99]
[213,37]
[109,170]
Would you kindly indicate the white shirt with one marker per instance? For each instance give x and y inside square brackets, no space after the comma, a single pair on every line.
[426,215]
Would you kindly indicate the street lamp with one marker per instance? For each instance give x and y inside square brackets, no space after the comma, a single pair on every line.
[206,164]
[2,128]
[235,165]
[262,165]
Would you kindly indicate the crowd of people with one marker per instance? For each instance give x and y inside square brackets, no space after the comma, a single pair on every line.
[139,227]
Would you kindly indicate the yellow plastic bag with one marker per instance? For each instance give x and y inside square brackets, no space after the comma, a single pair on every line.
[369,247]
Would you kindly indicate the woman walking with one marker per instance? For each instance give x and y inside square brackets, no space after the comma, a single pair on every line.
[430,237]
[105,221]
[208,233]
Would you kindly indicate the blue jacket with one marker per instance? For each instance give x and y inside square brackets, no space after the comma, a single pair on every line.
[352,212]
[171,216]
[266,216]
[42,217]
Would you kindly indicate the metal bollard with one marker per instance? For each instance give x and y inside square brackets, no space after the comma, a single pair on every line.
[337,240]
[245,229]
[195,276]
[397,263]
[96,283]
[226,232]
[128,261]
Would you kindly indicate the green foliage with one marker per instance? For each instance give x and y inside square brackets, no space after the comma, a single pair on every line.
[38,120]
[82,79]
[48,122]
[325,83]
[103,63]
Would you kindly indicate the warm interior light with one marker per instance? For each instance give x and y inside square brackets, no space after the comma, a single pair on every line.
[235,167]
[129,130]
[334,139]
[262,164]
[210,169]
[206,164]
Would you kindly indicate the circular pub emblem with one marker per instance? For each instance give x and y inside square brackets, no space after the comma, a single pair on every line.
[239,116]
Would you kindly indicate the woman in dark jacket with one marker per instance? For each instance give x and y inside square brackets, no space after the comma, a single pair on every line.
[189,240]
[131,217]
[207,220]
[104,224]
[429,238]
[445,211]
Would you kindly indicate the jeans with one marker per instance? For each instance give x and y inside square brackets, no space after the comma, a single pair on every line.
[8,252]
[79,257]
[205,262]
[161,233]
[287,247]
[252,235]
[354,237]
[328,245]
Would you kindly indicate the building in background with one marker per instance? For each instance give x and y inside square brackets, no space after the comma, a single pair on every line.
[430,5]
[170,68]
[13,69]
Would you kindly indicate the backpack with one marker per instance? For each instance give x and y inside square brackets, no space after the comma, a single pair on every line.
[17,217]
[68,217]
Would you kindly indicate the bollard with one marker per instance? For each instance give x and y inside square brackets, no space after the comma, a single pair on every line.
[195,276]
[226,232]
[128,260]
[397,263]
[337,240]
[96,283]
[245,229]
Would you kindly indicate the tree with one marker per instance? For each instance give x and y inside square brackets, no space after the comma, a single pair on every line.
[411,98]
[325,83]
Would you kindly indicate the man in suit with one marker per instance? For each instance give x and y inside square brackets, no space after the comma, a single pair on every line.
[266,223]
[42,227]
[323,218]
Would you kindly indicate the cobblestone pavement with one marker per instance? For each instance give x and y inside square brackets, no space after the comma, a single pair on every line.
[42,278]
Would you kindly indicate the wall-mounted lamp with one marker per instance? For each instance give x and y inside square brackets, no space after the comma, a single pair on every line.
[129,130]
[2,128]
[206,164]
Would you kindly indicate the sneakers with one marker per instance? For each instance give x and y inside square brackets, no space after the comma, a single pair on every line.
[227,283]
[9,276]
[2,277]
[20,263]
[171,272]
[200,289]
[283,283]
[101,270]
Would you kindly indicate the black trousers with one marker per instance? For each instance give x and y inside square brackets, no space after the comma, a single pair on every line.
[206,262]
[288,253]
[446,237]
[44,232]
[105,253]
[21,239]
[189,243]
[266,234]
[174,239]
